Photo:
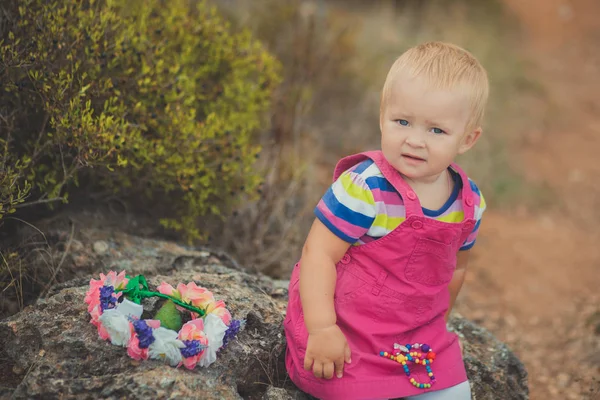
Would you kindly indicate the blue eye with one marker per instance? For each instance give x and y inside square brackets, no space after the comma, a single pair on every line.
[437,131]
[402,122]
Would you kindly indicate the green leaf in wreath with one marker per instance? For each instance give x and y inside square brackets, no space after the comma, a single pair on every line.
[169,316]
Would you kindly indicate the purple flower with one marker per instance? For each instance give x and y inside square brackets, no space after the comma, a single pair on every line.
[192,348]
[107,300]
[144,333]
[232,331]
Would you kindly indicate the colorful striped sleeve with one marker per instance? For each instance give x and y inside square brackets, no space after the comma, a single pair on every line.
[479,209]
[348,206]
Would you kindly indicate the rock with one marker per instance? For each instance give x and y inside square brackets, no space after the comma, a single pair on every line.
[50,350]
[76,245]
[274,393]
[76,363]
[491,367]
[100,247]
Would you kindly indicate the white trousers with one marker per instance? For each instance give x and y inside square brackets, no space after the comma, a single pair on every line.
[462,391]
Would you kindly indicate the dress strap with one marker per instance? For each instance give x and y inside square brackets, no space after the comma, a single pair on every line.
[468,201]
[409,197]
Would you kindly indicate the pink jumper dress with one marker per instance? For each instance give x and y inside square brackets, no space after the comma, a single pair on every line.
[391,290]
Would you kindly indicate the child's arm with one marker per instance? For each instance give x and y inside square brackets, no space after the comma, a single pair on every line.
[458,278]
[327,348]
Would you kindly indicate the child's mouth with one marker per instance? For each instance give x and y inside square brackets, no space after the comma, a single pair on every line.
[413,159]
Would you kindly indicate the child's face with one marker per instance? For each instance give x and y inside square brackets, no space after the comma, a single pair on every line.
[424,129]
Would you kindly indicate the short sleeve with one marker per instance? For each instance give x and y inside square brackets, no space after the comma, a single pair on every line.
[478,213]
[348,207]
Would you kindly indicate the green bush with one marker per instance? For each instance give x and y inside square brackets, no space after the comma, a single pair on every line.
[150,96]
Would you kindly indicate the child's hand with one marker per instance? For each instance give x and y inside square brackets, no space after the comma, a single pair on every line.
[326,352]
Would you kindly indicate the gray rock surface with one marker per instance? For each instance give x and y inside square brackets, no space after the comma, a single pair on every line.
[274,393]
[51,351]
[494,371]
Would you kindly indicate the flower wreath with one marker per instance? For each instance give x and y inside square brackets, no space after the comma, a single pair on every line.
[114,303]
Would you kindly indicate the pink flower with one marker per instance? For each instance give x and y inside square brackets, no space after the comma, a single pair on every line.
[92,296]
[190,293]
[153,323]
[95,314]
[169,290]
[219,309]
[102,332]
[193,331]
[133,347]
[111,279]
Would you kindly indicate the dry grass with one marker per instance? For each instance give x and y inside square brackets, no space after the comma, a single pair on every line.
[30,266]
[11,284]
[303,140]
[336,55]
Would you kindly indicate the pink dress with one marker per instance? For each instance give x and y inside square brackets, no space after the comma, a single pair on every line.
[391,290]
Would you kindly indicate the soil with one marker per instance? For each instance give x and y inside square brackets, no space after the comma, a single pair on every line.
[534,280]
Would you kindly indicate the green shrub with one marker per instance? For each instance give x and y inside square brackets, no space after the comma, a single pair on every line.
[156,96]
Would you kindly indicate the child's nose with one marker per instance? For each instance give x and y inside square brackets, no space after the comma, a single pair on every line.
[415,138]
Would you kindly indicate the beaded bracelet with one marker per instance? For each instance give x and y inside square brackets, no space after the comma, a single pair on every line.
[421,354]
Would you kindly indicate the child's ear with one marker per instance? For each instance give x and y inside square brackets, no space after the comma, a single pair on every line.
[469,140]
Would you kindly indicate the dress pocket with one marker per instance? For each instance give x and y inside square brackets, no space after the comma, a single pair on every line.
[348,287]
[413,311]
[431,263]
[300,332]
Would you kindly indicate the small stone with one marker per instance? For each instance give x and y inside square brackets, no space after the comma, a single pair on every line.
[80,260]
[278,292]
[166,383]
[565,12]
[76,245]
[563,380]
[573,395]
[214,260]
[281,283]
[274,393]
[576,176]
[100,247]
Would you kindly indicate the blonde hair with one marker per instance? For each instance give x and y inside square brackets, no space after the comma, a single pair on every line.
[445,66]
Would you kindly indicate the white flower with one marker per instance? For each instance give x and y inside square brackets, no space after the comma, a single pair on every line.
[117,326]
[130,309]
[166,346]
[215,329]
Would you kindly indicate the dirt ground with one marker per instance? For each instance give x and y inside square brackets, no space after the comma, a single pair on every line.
[535,277]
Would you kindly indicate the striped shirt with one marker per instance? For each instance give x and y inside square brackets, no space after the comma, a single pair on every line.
[362,206]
